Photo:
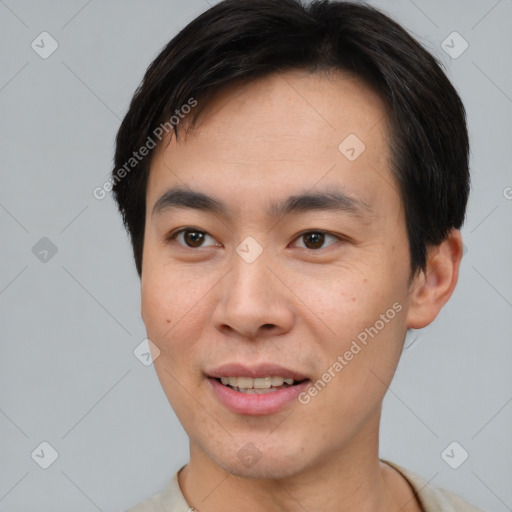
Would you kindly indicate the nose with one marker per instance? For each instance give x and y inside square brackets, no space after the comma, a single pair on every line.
[254,302]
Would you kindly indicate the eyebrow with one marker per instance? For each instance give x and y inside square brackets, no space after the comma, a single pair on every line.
[180,198]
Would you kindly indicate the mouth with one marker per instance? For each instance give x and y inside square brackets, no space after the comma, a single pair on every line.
[257,390]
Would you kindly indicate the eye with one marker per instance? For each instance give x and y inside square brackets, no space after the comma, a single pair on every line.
[191,238]
[316,239]
[194,238]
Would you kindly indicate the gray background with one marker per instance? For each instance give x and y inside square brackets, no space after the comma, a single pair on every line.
[69,325]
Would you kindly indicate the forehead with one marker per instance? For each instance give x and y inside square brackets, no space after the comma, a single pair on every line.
[293,128]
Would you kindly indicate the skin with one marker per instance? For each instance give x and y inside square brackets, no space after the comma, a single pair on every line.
[298,306]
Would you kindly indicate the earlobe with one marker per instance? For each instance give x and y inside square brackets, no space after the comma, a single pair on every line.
[432,288]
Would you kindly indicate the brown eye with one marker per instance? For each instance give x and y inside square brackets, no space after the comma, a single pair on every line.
[316,239]
[313,240]
[192,238]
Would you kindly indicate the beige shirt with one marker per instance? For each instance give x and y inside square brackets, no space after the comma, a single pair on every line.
[432,499]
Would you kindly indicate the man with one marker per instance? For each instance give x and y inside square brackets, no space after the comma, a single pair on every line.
[293,178]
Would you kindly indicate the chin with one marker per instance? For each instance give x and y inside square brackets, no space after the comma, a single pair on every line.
[274,462]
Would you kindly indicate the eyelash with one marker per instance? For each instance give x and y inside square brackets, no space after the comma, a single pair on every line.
[172,237]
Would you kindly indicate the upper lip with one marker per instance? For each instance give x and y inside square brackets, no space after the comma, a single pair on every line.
[254,371]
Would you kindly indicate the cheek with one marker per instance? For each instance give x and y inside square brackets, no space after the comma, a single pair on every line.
[362,314]
[164,306]
[349,298]
[176,311]
[156,301]
[357,362]
[170,313]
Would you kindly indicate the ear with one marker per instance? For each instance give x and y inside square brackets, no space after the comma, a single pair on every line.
[432,288]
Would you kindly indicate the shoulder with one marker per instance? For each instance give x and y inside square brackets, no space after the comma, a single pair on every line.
[170,499]
[434,499]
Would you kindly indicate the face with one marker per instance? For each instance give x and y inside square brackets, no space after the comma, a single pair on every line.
[295,265]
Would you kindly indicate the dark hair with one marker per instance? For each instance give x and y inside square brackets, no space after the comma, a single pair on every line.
[246,39]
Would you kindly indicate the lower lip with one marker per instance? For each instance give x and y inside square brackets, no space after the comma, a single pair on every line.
[253,403]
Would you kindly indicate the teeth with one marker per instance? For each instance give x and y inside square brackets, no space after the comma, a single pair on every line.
[244,382]
[277,381]
[263,383]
